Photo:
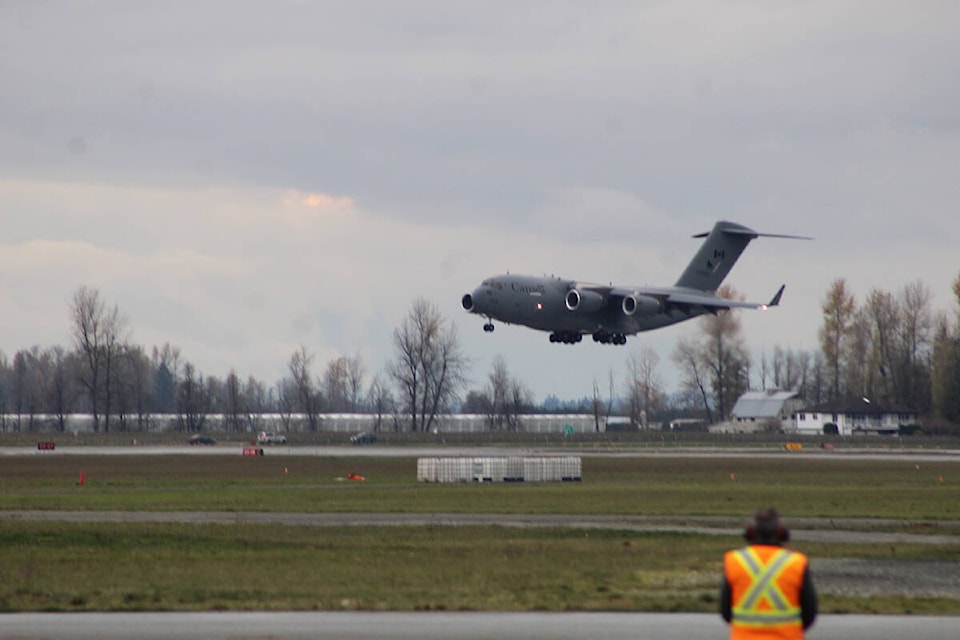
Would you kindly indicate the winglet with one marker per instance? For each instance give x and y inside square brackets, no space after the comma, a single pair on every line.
[776,298]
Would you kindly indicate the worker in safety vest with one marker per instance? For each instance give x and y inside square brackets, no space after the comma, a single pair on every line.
[767,591]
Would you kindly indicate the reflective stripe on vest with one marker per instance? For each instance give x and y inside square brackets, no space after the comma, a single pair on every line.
[764,588]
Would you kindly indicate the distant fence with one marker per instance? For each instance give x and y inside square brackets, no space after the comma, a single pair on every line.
[294,423]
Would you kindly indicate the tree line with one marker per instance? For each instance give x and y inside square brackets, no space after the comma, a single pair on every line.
[893,348]
[122,386]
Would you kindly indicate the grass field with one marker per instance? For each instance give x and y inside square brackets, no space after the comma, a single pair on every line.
[97,566]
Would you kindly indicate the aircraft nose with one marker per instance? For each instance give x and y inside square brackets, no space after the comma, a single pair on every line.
[467,302]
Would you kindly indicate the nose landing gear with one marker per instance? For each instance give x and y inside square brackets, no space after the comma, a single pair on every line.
[488,327]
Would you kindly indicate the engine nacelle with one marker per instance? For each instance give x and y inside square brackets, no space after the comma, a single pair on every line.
[644,305]
[467,302]
[587,301]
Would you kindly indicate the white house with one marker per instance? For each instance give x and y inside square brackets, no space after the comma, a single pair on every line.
[852,417]
[770,409]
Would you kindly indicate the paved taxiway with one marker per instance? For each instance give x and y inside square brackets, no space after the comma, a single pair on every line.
[441,625]
[345,451]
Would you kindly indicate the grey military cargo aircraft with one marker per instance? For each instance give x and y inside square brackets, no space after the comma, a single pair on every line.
[570,309]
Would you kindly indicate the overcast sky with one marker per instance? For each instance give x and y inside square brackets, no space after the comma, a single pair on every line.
[241,177]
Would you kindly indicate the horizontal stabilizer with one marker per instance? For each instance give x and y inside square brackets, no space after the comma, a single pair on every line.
[753,234]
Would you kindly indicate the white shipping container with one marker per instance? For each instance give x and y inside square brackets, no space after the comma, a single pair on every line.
[500,469]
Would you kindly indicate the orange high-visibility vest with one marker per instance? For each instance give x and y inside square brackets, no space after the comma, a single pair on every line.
[765,583]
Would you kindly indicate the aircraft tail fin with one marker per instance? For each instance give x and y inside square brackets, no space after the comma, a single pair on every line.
[718,253]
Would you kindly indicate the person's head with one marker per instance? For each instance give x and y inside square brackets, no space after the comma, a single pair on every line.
[767,528]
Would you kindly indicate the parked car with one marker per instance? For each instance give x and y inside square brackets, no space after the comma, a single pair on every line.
[201,439]
[363,438]
[269,437]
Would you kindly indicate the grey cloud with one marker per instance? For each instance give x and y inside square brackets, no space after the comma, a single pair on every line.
[546,135]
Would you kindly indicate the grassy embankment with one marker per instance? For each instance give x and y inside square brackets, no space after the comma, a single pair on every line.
[84,566]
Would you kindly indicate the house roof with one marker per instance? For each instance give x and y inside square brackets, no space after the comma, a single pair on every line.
[858,405]
[762,404]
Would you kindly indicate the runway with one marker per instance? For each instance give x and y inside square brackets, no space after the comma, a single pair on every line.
[439,626]
[420,451]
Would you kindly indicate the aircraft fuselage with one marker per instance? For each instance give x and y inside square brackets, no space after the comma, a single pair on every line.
[569,309]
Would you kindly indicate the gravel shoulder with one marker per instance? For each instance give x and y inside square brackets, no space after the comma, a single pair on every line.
[855,577]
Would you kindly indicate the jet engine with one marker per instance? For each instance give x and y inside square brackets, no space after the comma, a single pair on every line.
[584,300]
[467,302]
[646,305]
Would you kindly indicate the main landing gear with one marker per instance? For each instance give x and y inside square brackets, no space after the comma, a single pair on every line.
[573,337]
[488,327]
[609,338]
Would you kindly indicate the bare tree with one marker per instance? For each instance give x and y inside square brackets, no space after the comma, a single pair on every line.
[380,401]
[192,401]
[98,333]
[256,396]
[308,399]
[356,372]
[596,406]
[687,356]
[60,391]
[5,376]
[287,399]
[643,388]
[506,398]
[801,363]
[27,380]
[343,383]
[136,383]
[429,367]
[764,369]
[235,415]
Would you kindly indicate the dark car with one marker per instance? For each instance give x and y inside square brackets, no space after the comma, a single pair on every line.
[363,438]
[201,439]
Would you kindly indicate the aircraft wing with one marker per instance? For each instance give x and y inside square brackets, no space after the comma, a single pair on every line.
[710,301]
[675,297]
